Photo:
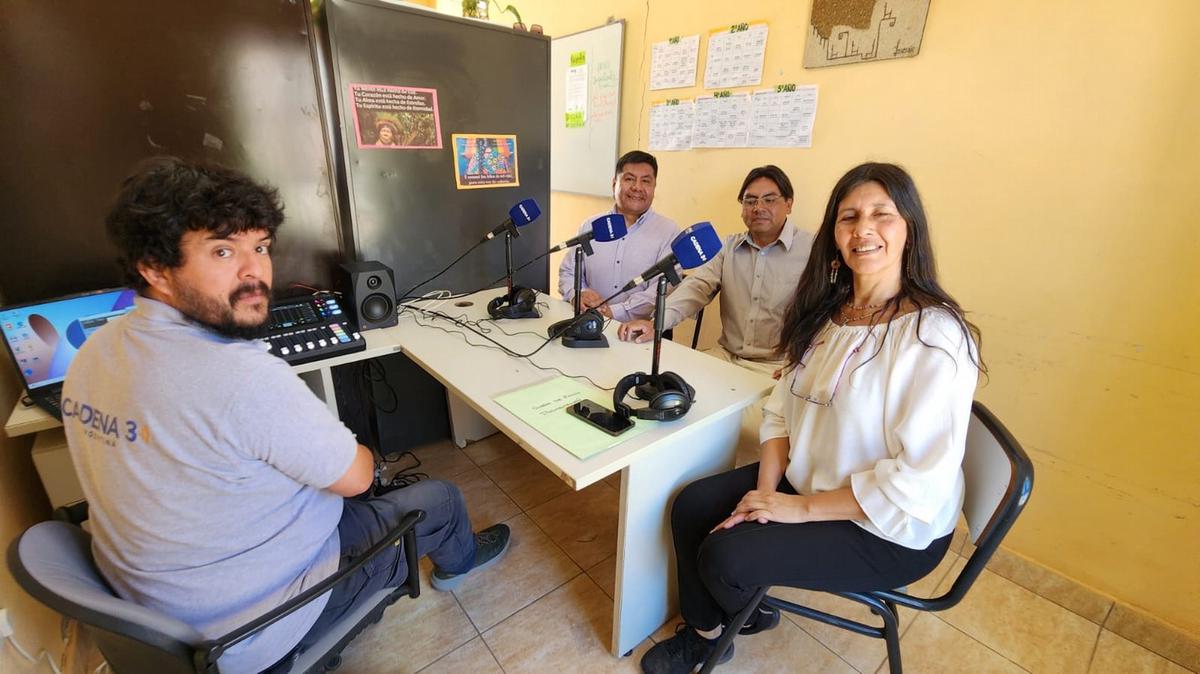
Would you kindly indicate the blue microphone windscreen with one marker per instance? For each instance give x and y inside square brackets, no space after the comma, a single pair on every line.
[524,213]
[696,245]
[609,227]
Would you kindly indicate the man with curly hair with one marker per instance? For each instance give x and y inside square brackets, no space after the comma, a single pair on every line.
[217,483]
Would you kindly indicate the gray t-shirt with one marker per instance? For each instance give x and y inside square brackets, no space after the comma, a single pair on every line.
[204,461]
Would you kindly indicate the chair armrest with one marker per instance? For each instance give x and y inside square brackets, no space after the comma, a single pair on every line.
[212,650]
[72,513]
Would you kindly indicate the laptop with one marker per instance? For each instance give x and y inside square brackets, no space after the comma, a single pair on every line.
[43,337]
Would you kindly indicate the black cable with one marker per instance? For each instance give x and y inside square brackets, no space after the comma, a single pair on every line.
[373,442]
[402,477]
[372,373]
[473,326]
[493,283]
[612,297]
[510,334]
[405,295]
[489,286]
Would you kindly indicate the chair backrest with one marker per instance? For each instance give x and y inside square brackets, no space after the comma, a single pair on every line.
[997,471]
[52,561]
[700,319]
[999,480]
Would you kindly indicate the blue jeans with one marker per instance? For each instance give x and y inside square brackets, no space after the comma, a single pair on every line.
[445,535]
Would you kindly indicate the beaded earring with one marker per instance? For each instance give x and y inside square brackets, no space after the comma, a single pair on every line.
[833,272]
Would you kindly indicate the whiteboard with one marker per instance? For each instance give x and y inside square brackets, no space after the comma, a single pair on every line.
[582,156]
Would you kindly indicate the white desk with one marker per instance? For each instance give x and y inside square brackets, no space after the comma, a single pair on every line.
[654,465]
[25,420]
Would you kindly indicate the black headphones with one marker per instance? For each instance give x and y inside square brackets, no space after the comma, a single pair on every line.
[587,325]
[520,304]
[672,400]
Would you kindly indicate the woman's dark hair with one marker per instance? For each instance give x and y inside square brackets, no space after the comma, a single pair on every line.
[637,157]
[166,197]
[817,299]
[772,173]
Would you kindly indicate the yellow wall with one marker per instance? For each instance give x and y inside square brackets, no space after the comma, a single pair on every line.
[1055,144]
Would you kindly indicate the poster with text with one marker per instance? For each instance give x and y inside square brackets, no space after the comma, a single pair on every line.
[575,106]
[485,160]
[395,118]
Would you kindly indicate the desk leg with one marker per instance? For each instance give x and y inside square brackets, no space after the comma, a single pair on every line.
[466,425]
[320,382]
[646,590]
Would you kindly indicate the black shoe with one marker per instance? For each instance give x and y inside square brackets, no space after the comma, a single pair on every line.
[681,653]
[764,618]
[490,546]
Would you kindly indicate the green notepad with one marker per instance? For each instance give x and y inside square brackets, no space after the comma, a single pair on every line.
[544,406]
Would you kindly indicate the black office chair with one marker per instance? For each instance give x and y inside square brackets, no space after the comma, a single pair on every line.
[700,320]
[52,561]
[999,479]
[696,332]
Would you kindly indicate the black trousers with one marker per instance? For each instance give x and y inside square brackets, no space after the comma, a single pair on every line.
[720,572]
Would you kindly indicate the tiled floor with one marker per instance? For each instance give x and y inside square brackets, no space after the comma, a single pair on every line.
[548,606]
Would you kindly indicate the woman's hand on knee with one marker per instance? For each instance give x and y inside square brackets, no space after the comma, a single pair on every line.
[732,521]
[764,506]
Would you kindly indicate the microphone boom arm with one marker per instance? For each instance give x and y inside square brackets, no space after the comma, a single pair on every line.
[660,308]
[508,266]
[578,302]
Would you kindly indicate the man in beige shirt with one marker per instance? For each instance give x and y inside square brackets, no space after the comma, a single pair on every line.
[756,272]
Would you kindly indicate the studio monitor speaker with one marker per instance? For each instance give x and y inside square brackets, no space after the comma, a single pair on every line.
[368,293]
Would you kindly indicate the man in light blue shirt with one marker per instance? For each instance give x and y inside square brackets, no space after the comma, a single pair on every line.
[218,485]
[615,263]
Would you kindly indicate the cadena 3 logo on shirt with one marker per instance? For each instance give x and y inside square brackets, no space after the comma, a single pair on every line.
[102,426]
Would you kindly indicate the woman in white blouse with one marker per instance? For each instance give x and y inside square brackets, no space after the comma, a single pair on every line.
[860,482]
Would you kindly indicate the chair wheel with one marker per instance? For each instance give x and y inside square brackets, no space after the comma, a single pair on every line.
[333,663]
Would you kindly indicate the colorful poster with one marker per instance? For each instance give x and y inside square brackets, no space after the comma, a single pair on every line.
[395,118]
[485,160]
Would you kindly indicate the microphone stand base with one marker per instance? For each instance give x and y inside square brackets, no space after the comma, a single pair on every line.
[517,312]
[600,342]
[585,331]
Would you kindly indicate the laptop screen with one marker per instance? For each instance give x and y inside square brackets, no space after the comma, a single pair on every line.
[43,337]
